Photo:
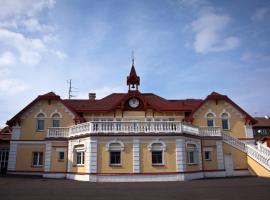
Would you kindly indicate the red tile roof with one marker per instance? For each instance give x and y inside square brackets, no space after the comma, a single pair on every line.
[262,122]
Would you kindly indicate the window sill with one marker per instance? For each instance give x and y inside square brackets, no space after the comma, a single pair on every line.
[115,165]
[208,159]
[36,166]
[40,130]
[192,163]
[78,165]
[158,165]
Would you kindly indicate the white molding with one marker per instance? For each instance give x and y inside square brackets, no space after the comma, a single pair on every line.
[41,112]
[210,111]
[115,141]
[61,149]
[48,153]
[220,156]
[78,177]
[136,155]
[224,111]
[12,156]
[214,174]
[56,112]
[207,149]
[157,141]
[180,155]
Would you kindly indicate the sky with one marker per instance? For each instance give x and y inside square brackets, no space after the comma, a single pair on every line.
[182,49]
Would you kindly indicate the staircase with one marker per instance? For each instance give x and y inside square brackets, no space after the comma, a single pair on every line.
[259,152]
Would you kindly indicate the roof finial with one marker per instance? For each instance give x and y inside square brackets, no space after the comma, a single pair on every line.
[132,55]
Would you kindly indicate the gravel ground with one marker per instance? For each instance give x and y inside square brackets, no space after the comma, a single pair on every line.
[33,188]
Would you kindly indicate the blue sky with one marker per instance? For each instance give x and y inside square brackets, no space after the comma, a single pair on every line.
[183,49]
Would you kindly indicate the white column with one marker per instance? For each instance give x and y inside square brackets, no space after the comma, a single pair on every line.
[220,159]
[70,155]
[12,156]
[180,155]
[93,156]
[48,153]
[200,155]
[87,155]
[136,155]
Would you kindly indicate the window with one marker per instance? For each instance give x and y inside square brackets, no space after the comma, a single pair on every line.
[225,121]
[80,157]
[115,157]
[56,120]
[192,154]
[157,157]
[210,120]
[37,159]
[157,149]
[207,155]
[115,147]
[61,156]
[40,122]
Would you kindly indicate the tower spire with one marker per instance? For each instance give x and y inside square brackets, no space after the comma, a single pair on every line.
[132,56]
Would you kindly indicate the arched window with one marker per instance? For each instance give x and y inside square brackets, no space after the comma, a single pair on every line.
[225,121]
[192,154]
[55,120]
[40,122]
[115,148]
[157,149]
[210,119]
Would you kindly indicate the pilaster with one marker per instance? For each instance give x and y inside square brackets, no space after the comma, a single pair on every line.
[48,153]
[93,155]
[180,155]
[220,159]
[136,155]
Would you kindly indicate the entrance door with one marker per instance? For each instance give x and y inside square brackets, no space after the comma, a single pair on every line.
[228,164]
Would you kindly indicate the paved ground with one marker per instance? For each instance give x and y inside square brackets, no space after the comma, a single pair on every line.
[26,188]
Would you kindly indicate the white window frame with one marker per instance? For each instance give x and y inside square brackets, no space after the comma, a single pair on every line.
[119,147]
[195,152]
[225,118]
[162,147]
[208,149]
[80,149]
[40,119]
[38,159]
[54,118]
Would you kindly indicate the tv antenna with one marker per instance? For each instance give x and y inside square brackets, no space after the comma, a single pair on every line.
[70,91]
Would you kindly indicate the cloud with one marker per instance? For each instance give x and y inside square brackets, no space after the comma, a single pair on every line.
[259,14]
[12,86]
[17,8]
[208,29]
[33,25]
[6,59]
[255,57]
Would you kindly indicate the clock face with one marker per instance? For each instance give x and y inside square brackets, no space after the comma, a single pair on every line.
[133,103]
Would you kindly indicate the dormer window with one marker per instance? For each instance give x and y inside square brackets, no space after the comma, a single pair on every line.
[40,122]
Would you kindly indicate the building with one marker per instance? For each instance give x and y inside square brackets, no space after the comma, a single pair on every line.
[5,137]
[134,136]
[261,130]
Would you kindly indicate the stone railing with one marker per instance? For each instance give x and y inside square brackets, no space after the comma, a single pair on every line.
[264,149]
[234,142]
[257,155]
[126,127]
[210,131]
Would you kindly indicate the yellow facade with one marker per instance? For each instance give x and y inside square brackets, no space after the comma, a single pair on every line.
[25,155]
[236,122]
[29,121]
[210,164]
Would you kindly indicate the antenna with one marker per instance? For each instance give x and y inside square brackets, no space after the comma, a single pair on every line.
[132,56]
[70,89]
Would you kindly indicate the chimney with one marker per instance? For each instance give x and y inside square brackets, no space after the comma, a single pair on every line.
[92,96]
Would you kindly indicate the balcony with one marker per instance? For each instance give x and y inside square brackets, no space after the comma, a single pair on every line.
[132,127]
